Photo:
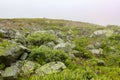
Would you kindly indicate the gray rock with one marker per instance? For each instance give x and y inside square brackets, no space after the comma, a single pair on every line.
[18,35]
[59,40]
[60,46]
[29,67]
[105,33]
[97,44]
[101,63]
[12,54]
[50,68]
[50,44]
[11,71]
[76,53]
[67,47]
[90,47]
[2,31]
[60,35]
[24,56]
[96,51]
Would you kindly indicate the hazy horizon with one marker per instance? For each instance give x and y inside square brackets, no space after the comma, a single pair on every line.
[102,12]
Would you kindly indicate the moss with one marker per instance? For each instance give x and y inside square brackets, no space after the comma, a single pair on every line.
[5,45]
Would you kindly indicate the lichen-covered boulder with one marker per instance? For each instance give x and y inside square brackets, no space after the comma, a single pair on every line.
[50,68]
[101,63]
[97,51]
[11,71]
[60,46]
[10,52]
[59,40]
[29,67]
[50,44]
[67,47]
[105,33]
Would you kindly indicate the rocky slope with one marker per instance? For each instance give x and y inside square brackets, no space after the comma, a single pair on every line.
[44,49]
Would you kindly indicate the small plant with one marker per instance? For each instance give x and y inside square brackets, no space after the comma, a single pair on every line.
[2,65]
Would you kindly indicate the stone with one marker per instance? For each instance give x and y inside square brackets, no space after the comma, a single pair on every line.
[50,44]
[18,34]
[59,40]
[101,63]
[60,46]
[67,47]
[11,71]
[90,47]
[60,35]
[12,53]
[106,33]
[24,56]
[29,67]
[50,68]
[96,51]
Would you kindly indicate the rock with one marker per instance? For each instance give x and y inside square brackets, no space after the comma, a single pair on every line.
[44,31]
[24,56]
[72,56]
[18,35]
[51,31]
[90,47]
[59,40]
[60,46]
[67,47]
[96,51]
[50,68]
[97,45]
[12,53]
[2,33]
[29,67]
[10,34]
[101,63]
[93,45]
[11,71]
[60,35]
[50,44]
[105,33]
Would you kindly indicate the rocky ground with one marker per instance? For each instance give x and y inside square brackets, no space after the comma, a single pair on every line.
[47,49]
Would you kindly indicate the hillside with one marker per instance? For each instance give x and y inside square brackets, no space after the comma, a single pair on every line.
[51,49]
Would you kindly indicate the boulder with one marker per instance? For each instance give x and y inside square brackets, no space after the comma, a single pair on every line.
[101,63]
[60,35]
[96,51]
[67,47]
[105,33]
[2,33]
[60,46]
[29,67]
[50,44]
[59,40]
[24,56]
[11,72]
[50,68]
[11,53]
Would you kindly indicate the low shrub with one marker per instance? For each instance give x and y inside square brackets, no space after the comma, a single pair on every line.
[81,44]
[38,39]
[45,54]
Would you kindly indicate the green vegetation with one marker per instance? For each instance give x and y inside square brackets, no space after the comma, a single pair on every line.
[38,39]
[45,54]
[86,54]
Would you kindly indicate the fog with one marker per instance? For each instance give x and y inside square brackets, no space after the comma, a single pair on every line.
[101,12]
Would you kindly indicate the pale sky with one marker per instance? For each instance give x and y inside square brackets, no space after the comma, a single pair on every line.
[102,12]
